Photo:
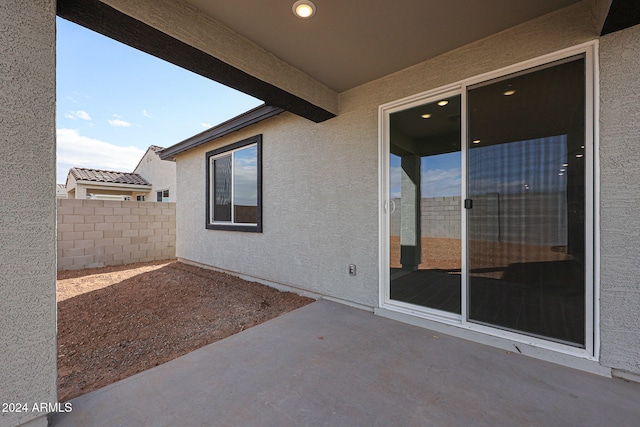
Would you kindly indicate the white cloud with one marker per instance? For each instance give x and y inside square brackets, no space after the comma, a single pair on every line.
[438,182]
[206,125]
[75,150]
[80,114]
[433,182]
[146,113]
[118,123]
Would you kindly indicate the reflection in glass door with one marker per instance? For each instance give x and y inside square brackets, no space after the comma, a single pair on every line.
[526,180]
[526,197]
[425,210]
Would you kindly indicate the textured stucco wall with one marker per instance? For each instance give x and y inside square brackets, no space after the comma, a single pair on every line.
[27,209]
[160,173]
[620,199]
[320,182]
[309,200]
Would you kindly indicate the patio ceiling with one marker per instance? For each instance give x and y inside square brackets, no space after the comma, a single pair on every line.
[259,47]
[348,43]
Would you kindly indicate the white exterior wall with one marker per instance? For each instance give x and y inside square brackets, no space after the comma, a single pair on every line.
[620,199]
[27,211]
[320,181]
[75,191]
[160,173]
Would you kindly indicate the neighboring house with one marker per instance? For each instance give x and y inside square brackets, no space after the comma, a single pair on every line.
[61,191]
[315,186]
[161,174]
[83,183]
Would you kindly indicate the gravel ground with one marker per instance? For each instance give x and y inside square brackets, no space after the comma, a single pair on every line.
[114,322]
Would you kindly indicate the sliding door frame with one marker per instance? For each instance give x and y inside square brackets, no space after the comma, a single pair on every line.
[592,237]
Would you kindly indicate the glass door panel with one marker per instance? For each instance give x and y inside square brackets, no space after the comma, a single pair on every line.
[425,211]
[526,180]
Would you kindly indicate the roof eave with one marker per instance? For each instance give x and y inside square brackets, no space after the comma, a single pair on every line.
[145,187]
[249,118]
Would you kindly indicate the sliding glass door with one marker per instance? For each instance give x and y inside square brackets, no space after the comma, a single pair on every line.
[526,224]
[425,191]
[488,212]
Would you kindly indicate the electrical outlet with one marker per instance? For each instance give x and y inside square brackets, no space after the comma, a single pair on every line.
[352,269]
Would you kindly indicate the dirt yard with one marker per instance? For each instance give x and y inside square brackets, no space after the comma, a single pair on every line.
[114,322]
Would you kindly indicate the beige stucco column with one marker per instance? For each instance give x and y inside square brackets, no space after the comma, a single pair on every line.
[410,213]
[27,210]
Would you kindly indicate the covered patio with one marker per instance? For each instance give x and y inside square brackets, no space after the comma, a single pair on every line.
[329,364]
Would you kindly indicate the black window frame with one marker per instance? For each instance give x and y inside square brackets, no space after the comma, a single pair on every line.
[253,228]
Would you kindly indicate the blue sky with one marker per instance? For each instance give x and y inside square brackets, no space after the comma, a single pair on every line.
[440,175]
[535,165]
[114,101]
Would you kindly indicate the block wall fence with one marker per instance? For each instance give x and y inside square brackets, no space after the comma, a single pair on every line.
[439,217]
[537,219]
[97,233]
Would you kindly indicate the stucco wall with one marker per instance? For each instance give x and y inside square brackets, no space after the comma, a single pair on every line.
[160,173]
[309,199]
[321,180]
[620,198]
[27,211]
[96,233]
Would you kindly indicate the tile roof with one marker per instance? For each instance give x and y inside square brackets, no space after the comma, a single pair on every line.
[83,174]
[155,148]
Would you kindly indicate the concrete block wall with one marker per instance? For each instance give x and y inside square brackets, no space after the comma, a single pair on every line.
[97,233]
[496,218]
[439,217]
[535,219]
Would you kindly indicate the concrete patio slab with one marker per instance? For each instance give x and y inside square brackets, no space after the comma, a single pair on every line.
[327,364]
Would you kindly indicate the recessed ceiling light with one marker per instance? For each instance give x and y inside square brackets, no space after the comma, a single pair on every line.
[476,141]
[426,116]
[304,9]
[565,164]
[509,92]
[443,103]
[579,155]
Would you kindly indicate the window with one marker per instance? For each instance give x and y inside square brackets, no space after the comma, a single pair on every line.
[162,196]
[234,186]
[140,198]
